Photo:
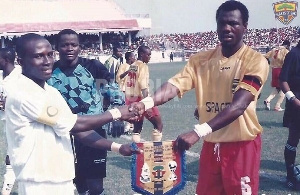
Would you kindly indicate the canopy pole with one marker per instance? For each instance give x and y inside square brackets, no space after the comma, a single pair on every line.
[100,41]
[2,42]
[129,38]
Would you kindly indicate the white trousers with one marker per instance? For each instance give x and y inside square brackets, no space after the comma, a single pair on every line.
[45,188]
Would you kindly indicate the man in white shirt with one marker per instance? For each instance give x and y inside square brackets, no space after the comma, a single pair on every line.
[39,122]
[7,59]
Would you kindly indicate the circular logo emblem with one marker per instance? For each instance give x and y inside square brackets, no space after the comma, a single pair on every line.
[52,111]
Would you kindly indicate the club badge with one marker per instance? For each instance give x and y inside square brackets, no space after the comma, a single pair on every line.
[285,11]
[158,170]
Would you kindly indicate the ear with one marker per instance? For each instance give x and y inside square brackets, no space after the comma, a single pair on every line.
[245,26]
[20,61]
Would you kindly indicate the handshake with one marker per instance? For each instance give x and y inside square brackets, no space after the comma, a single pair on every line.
[133,111]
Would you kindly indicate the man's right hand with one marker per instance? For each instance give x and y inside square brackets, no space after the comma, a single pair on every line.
[127,112]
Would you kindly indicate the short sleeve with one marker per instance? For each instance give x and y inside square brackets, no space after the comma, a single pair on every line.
[51,110]
[183,80]
[143,79]
[255,74]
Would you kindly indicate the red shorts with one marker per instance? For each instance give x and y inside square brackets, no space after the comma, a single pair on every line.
[231,168]
[153,111]
[275,77]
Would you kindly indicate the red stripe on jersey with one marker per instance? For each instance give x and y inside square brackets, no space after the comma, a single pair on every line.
[253,81]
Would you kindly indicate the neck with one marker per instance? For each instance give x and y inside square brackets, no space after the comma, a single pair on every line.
[8,70]
[69,63]
[228,51]
[39,82]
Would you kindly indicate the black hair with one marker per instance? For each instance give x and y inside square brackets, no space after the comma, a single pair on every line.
[286,42]
[23,40]
[116,47]
[142,49]
[65,32]
[128,54]
[8,53]
[234,5]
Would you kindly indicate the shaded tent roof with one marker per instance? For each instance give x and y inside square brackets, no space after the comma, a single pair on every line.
[50,16]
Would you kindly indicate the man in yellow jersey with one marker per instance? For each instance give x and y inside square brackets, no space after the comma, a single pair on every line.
[276,57]
[227,81]
[137,88]
[122,73]
[124,69]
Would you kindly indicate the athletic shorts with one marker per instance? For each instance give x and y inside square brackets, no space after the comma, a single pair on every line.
[45,188]
[229,168]
[154,110]
[90,163]
[275,77]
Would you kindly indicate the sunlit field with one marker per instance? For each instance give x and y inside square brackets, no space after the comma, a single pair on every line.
[177,116]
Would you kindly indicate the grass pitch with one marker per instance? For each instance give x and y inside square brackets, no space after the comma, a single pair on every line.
[177,116]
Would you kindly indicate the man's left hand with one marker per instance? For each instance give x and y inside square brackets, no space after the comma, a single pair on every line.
[186,140]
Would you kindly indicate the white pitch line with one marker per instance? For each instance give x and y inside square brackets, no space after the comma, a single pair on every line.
[196,155]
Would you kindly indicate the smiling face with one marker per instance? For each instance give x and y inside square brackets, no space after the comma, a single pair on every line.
[38,60]
[230,28]
[68,48]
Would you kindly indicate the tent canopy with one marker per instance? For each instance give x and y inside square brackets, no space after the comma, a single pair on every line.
[50,16]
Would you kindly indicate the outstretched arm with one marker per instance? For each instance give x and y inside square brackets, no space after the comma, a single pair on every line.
[93,139]
[162,95]
[88,122]
[165,93]
[241,100]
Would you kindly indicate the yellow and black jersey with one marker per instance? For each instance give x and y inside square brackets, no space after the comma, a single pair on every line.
[216,79]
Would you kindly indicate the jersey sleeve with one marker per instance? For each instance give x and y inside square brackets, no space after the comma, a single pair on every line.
[100,71]
[121,70]
[143,78]
[183,80]
[269,54]
[52,111]
[255,74]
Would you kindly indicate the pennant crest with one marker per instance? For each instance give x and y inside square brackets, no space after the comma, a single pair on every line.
[159,170]
[285,11]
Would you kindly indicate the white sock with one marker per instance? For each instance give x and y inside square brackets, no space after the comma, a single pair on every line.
[8,181]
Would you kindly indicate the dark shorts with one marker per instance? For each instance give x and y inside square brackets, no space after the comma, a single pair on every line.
[90,163]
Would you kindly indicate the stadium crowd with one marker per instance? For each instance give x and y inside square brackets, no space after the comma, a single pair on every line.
[260,39]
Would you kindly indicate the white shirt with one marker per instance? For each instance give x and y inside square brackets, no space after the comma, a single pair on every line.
[14,73]
[38,122]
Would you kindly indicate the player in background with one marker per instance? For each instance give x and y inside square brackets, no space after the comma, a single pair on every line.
[276,57]
[122,73]
[10,71]
[75,78]
[124,69]
[227,81]
[113,62]
[289,83]
[137,88]
[39,123]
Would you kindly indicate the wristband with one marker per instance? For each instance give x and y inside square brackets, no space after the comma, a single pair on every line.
[115,113]
[148,102]
[115,147]
[292,98]
[289,95]
[203,129]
